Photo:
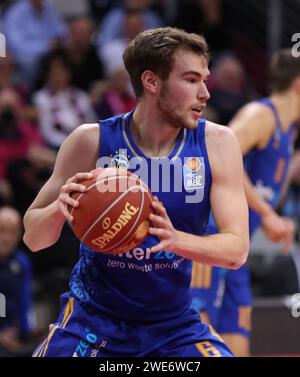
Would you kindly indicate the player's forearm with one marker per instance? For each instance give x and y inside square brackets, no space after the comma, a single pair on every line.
[42,226]
[255,202]
[221,250]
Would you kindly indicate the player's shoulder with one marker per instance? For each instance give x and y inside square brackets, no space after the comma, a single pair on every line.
[86,133]
[83,141]
[88,127]
[218,133]
[254,123]
[255,110]
[221,141]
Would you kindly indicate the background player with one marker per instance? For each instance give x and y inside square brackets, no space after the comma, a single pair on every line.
[266,132]
[127,311]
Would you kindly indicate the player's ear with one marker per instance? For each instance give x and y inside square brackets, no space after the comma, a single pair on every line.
[150,81]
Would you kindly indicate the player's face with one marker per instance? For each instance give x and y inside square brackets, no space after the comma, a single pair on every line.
[184,94]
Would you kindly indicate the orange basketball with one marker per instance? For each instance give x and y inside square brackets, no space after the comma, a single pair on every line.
[112,216]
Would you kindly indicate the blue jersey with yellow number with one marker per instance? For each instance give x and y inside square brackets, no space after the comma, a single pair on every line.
[140,285]
[267,167]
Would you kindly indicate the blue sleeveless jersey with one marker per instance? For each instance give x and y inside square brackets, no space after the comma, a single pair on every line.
[267,168]
[140,285]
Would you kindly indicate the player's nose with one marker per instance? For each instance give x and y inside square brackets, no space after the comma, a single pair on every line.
[204,93]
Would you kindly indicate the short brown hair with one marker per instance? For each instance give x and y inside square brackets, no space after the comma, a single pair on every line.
[154,49]
[284,68]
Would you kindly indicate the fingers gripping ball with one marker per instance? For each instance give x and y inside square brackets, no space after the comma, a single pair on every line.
[112,216]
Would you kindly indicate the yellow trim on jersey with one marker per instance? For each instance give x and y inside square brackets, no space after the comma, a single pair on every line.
[207,349]
[64,324]
[54,328]
[136,153]
[41,348]
[66,313]
[214,333]
[197,275]
[181,145]
[41,351]
[207,277]
[48,339]
[201,275]
[127,140]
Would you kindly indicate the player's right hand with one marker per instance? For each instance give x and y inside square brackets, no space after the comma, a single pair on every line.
[161,227]
[65,201]
[278,229]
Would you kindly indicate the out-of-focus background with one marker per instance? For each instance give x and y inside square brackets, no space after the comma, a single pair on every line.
[61,66]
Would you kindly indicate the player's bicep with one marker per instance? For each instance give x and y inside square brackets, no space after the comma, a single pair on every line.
[228,200]
[229,209]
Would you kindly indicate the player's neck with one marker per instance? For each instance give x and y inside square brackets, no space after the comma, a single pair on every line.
[287,106]
[154,138]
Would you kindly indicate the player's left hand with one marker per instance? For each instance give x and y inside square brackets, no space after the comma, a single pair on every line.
[289,234]
[162,227]
[278,229]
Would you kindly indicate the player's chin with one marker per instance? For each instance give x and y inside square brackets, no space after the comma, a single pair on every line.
[192,123]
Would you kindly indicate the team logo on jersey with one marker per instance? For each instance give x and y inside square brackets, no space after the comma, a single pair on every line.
[194,173]
[193,164]
[120,160]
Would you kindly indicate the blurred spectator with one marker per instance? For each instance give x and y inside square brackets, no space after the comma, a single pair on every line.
[61,107]
[22,155]
[246,26]
[205,17]
[32,28]
[112,51]
[167,9]
[86,65]
[72,8]
[8,79]
[99,8]
[112,26]
[16,137]
[228,87]
[15,284]
[117,96]
[4,5]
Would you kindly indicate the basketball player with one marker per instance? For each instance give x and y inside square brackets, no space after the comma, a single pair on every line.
[137,303]
[266,132]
